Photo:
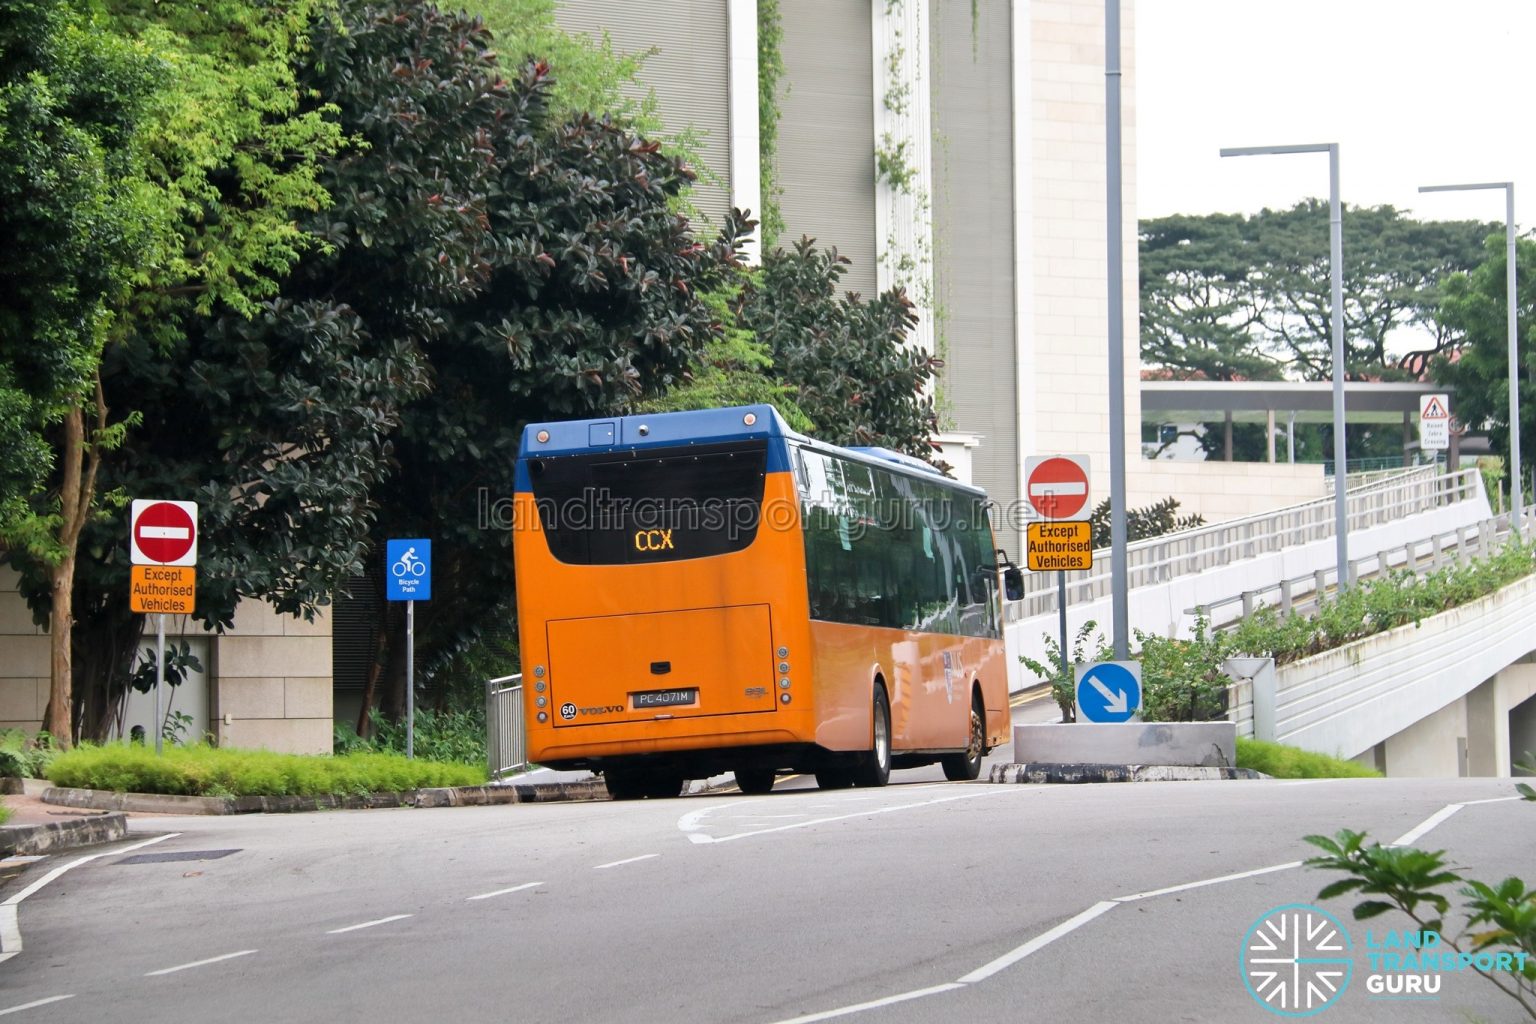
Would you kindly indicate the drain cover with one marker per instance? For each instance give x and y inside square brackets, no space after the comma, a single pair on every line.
[161,858]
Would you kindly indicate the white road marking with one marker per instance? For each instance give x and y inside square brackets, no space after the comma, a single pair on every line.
[1491,800]
[56,872]
[10,927]
[1073,923]
[199,963]
[872,1005]
[691,826]
[1416,833]
[627,860]
[1208,881]
[503,892]
[368,924]
[10,931]
[34,1004]
[1037,943]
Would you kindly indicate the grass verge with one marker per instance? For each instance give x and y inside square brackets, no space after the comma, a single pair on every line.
[1284,762]
[221,771]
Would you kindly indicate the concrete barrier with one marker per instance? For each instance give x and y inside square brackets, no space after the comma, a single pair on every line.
[31,840]
[1189,744]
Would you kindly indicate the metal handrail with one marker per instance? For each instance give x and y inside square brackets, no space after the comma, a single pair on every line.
[506,741]
[1190,552]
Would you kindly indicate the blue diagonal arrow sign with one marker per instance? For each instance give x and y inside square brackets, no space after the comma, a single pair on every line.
[1108,691]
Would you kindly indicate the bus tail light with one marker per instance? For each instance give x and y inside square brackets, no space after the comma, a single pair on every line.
[784,698]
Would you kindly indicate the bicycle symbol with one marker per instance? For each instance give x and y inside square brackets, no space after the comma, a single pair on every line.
[409,565]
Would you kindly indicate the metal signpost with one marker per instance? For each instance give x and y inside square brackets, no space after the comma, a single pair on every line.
[1057,487]
[162,545]
[408,578]
[1109,691]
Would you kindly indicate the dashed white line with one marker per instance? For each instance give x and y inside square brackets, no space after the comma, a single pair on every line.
[34,1004]
[368,924]
[690,823]
[503,892]
[627,860]
[199,963]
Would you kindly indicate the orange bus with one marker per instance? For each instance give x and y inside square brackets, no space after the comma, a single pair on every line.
[702,592]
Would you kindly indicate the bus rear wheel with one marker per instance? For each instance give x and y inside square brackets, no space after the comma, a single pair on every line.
[874,766]
[967,766]
[834,777]
[755,781]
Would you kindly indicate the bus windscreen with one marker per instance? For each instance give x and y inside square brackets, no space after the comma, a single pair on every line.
[650,506]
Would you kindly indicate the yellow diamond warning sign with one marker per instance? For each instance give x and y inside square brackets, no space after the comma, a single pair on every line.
[1064,545]
[169,589]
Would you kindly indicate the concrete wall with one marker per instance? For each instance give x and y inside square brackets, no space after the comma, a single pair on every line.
[23,659]
[273,682]
[1501,714]
[1416,689]
[266,683]
[1220,491]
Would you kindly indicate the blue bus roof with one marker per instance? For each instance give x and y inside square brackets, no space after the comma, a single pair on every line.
[704,426]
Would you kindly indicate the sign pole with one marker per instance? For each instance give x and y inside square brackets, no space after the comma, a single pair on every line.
[410,679]
[159,678]
[1061,609]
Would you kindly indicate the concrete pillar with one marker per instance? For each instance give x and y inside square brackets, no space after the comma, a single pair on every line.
[1269,433]
[1431,747]
[1487,731]
[1407,438]
[1226,436]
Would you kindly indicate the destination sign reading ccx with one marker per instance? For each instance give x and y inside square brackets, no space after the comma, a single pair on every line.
[664,698]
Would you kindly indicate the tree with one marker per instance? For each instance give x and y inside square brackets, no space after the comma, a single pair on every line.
[1474,307]
[850,362]
[154,156]
[1231,297]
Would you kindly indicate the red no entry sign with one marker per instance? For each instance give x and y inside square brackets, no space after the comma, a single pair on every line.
[1058,485]
[163,532]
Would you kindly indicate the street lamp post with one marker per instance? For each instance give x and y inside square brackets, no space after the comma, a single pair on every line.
[1336,274]
[1516,512]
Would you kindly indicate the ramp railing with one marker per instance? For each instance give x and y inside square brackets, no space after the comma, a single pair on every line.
[506,738]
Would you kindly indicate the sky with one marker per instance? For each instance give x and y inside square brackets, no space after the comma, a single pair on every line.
[1416,92]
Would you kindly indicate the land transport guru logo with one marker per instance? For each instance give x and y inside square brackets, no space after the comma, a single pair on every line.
[1297,961]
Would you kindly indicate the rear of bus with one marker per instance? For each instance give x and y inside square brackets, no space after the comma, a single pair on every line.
[662,596]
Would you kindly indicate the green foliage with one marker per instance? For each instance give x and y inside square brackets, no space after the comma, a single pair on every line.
[25,755]
[770,69]
[733,369]
[1154,520]
[448,736]
[5,813]
[1376,606]
[1282,762]
[1181,680]
[1063,684]
[217,771]
[1500,918]
[1475,308]
[849,362]
[1232,297]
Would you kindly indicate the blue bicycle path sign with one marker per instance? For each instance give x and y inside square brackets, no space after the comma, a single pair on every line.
[1108,691]
[408,570]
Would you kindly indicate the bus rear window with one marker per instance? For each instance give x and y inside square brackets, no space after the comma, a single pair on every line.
[652,506]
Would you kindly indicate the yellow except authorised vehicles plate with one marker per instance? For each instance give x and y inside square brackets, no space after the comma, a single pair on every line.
[169,589]
[1059,545]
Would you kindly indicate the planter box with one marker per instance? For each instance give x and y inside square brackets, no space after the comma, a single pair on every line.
[1190,744]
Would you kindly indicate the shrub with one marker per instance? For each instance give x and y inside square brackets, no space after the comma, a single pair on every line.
[1284,762]
[449,736]
[25,756]
[222,771]
[1181,680]
[5,813]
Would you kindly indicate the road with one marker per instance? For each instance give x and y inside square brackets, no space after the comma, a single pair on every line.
[760,910]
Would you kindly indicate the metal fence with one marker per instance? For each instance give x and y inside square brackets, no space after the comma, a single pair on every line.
[506,738]
[1190,552]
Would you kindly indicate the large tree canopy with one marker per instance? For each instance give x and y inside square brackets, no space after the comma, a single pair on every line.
[1232,297]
